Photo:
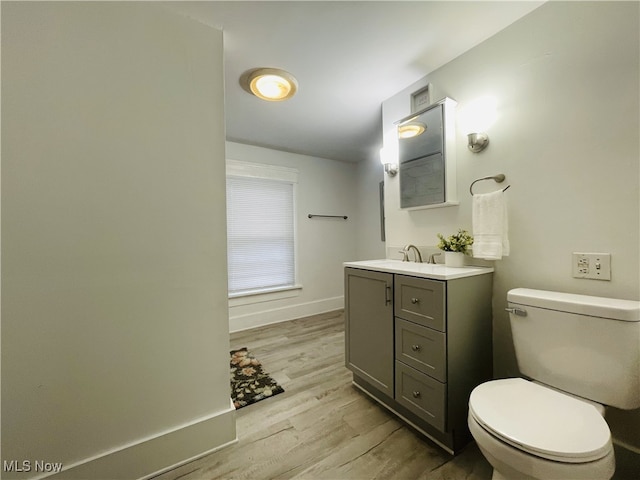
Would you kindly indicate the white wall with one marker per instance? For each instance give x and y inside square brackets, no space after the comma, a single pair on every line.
[566,82]
[325,187]
[114,310]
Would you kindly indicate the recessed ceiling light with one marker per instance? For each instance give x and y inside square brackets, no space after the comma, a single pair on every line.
[270,84]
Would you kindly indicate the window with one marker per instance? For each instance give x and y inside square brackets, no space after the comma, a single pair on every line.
[260,228]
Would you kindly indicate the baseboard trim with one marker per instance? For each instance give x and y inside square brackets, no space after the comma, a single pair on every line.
[158,453]
[263,318]
[626,446]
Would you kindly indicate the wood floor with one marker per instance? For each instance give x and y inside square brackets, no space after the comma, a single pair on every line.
[322,427]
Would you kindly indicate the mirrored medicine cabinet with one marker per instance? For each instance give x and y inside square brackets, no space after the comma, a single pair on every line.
[427,158]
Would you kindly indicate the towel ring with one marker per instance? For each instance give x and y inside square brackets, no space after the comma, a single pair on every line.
[499,178]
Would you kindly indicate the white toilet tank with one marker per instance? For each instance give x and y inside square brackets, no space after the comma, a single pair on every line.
[588,346]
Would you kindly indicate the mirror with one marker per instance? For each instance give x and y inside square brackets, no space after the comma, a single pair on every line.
[426,142]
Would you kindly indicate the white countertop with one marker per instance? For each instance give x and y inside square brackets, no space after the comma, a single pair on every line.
[424,270]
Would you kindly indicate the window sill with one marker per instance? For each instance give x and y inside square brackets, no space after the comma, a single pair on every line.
[264,295]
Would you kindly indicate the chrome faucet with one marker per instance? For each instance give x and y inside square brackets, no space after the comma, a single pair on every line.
[405,253]
[432,258]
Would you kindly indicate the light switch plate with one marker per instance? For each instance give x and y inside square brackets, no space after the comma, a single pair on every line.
[594,266]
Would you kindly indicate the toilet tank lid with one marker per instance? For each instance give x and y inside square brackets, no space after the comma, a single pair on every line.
[612,308]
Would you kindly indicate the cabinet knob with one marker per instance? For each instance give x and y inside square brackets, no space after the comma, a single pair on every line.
[415,300]
[416,394]
[415,348]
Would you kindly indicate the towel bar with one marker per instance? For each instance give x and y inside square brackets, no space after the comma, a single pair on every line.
[311,215]
[499,178]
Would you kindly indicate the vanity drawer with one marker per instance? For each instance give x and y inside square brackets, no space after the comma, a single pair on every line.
[420,300]
[421,394]
[422,348]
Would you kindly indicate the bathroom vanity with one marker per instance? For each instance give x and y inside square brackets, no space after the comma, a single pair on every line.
[418,339]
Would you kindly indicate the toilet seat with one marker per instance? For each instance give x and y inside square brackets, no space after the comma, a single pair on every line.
[541,421]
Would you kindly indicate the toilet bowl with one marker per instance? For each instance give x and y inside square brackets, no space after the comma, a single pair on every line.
[529,432]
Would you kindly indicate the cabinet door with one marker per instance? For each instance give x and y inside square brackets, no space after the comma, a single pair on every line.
[369,327]
[421,301]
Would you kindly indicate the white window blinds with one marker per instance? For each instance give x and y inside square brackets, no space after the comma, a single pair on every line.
[260,233]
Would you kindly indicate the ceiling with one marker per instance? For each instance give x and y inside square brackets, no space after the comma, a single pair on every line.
[348,57]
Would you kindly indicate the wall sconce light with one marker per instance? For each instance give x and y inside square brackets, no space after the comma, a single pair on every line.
[478,141]
[271,84]
[390,168]
[476,118]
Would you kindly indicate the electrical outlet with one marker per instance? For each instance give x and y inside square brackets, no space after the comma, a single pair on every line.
[595,266]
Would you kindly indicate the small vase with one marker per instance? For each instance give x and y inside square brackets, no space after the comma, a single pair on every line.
[454,259]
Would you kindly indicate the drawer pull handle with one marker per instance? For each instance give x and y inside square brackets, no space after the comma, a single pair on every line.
[415,348]
[416,394]
[415,300]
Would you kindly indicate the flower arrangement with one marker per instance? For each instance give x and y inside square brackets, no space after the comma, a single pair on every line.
[459,242]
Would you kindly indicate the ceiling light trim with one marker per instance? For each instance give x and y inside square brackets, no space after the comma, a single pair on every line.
[270,84]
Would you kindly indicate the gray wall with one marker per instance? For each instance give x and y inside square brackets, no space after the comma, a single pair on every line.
[114,305]
[566,80]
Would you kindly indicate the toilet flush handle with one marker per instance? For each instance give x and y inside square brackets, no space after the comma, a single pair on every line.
[517,311]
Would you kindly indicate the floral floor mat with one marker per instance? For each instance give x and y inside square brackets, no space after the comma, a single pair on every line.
[249,382]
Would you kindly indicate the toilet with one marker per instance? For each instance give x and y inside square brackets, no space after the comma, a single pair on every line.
[576,354]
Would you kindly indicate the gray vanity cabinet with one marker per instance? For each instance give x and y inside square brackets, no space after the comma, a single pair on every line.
[369,326]
[419,346]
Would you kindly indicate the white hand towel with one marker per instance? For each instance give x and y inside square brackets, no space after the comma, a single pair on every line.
[490,226]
